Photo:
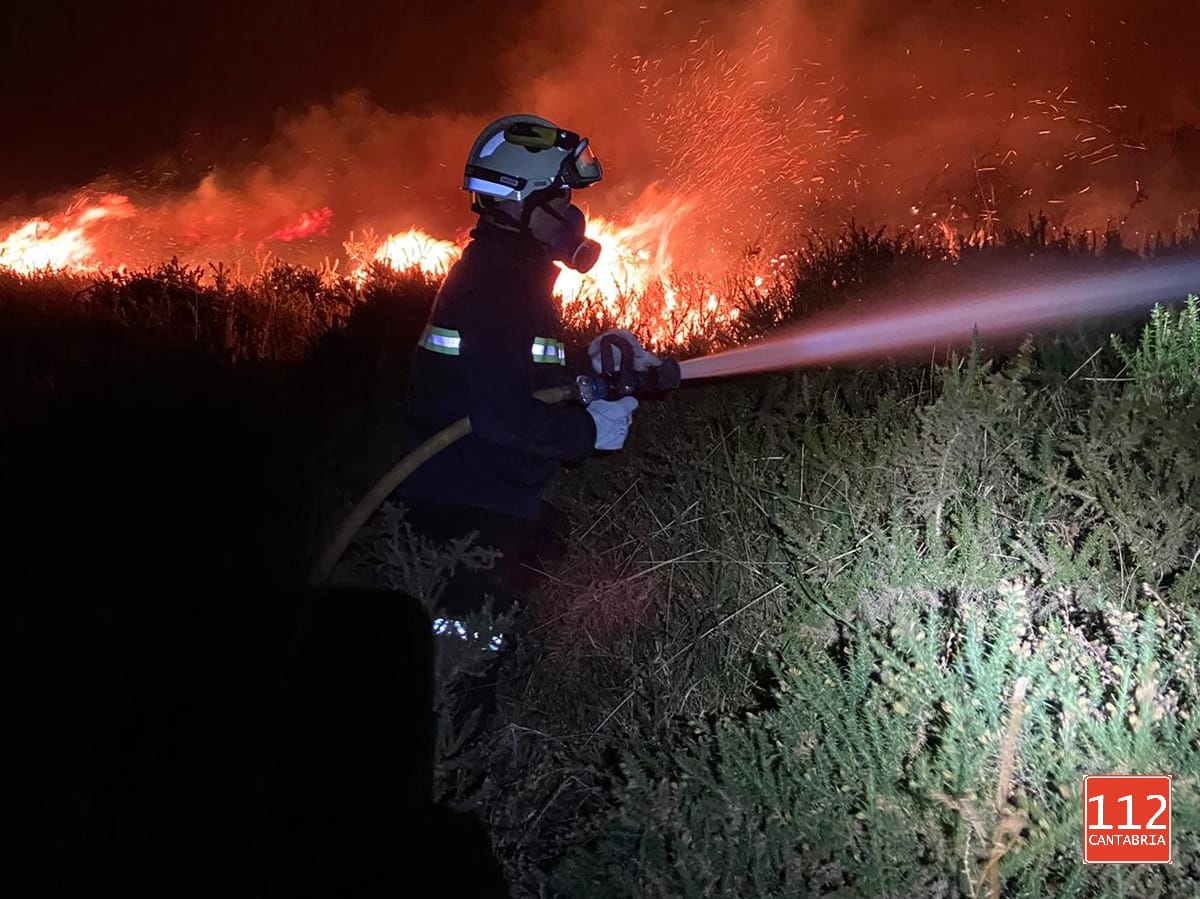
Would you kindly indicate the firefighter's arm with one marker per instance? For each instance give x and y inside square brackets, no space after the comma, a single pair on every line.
[497,360]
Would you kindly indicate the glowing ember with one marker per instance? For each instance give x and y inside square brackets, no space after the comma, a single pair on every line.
[66,241]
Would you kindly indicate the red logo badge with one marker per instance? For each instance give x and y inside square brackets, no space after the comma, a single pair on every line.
[1127,819]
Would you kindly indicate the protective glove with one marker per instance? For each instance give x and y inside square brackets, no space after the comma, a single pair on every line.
[612,421]
[643,359]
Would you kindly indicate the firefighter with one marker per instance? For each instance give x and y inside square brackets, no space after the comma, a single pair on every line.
[493,337]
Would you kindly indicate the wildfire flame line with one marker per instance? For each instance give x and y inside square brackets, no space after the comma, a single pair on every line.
[634,283]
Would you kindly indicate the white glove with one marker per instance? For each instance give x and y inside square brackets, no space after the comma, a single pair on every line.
[612,421]
[643,359]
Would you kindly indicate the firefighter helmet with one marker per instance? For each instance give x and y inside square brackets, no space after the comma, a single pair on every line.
[517,155]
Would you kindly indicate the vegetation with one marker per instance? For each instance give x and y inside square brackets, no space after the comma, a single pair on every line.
[862,634]
[1167,358]
[827,633]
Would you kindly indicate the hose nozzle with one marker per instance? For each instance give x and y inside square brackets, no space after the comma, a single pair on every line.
[617,384]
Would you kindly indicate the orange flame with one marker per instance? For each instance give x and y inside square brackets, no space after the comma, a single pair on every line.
[636,282]
[66,241]
[309,224]
[417,249]
[635,256]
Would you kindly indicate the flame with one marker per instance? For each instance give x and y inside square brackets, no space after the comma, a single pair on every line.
[64,242]
[310,224]
[637,282]
[634,257]
[640,282]
[631,284]
[417,249]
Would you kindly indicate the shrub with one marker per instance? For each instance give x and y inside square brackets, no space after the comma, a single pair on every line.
[942,755]
[1166,359]
[823,521]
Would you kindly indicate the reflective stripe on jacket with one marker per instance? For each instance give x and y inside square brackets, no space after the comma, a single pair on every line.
[448,342]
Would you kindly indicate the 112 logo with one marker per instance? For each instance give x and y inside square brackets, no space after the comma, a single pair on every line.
[1127,819]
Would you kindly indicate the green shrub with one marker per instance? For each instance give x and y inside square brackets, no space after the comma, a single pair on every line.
[942,755]
[1167,357]
[817,519]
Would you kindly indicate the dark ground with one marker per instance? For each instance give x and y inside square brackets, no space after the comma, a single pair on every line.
[186,716]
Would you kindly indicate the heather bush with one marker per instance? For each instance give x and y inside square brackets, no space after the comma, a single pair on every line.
[942,755]
[1166,359]
[862,633]
[275,316]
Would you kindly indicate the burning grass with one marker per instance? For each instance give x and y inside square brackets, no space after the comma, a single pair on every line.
[277,312]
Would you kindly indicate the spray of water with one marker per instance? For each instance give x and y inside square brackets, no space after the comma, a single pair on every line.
[914,327]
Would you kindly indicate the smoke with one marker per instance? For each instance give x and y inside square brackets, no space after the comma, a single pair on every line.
[763,118]
[812,113]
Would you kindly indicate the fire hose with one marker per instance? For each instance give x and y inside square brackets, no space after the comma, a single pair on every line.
[584,389]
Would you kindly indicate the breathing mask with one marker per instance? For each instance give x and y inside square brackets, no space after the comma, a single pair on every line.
[561,226]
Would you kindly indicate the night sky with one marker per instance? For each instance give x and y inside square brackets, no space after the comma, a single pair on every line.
[93,87]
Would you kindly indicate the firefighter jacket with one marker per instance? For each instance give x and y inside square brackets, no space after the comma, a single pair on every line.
[494,336]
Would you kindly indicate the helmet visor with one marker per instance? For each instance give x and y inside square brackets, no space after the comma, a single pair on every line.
[582,168]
